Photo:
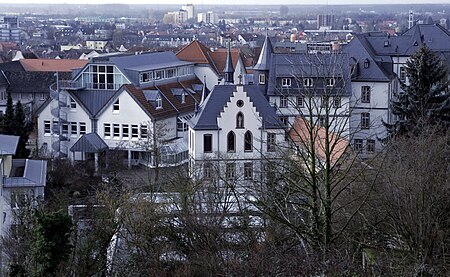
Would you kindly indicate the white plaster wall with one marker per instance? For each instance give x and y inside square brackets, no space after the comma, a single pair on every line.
[205,70]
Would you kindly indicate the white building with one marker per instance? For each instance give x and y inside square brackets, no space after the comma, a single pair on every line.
[125,103]
[190,10]
[208,17]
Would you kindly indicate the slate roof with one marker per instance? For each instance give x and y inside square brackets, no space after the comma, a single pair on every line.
[264,59]
[89,143]
[92,100]
[36,82]
[8,144]
[13,66]
[209,111]
[35,174]
[305,65]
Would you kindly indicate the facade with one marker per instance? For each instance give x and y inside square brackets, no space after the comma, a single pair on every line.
[190,10]
[9,29]
[208,17]
[234,131]
[124,103]
[22,182]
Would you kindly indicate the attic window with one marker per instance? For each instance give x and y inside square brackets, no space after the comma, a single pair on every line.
[158,102]
[366,63]
[183,98]
[116,106]
[386,43]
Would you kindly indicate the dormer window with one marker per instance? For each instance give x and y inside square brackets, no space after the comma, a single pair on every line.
[159,102]
[330,82]
[366,63]
[286,82]
[307,82]
[116,106]
[262,79]
[183,98]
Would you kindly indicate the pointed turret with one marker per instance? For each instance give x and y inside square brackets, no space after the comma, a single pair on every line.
[229,69]
[203,90]
[265,55]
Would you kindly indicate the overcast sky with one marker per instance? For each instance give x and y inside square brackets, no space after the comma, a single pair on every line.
[232,2]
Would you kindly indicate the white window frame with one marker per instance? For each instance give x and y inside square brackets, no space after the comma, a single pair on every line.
[308,82]
[261,79]
[286,82]
[116,106]
[330,82]
[47,128]
[73,129]
[107,130]
[83,128]
[134,131]
[116,127]
[284,101]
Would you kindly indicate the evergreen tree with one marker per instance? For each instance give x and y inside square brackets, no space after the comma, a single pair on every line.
[21,129]
[425,99]
[8,118]
[51,246]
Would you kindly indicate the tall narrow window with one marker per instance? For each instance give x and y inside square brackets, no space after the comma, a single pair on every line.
[336,102]
[402,74]
[134,131]
[47,127]
[300,102]
[262,79]
[125,131]
[158,102]
[239,120]
[248,141]
[116,131]
[365,94]
[207,170]
[144,131]
[73,129]
[358,144]
[116,106]
[365,120]
[231,170]
[207,143]
[283,101]
[370,145]
[231,142]
[73,104]
[271,140]
[82,128]
[248,171]
[107,130]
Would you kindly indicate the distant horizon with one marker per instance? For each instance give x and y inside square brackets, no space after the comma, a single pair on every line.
[227,2]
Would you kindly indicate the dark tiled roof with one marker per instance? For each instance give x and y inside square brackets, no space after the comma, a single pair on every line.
[209,111]
[36,82]
[93,100]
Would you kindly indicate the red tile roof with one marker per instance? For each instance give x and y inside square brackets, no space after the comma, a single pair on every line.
[51,65]
[300,135]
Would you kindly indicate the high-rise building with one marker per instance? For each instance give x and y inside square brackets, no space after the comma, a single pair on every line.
[208,17]
[9,29]
[325,20]
[190,10]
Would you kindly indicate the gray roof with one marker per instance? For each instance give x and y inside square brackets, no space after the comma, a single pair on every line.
[92,100]
[299,65]
[89,143]
[209,111]
[8,144]
[35,174]
[228,63]
[359,54]
[265,56]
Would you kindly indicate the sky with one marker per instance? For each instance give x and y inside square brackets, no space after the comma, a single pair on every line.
[230,2]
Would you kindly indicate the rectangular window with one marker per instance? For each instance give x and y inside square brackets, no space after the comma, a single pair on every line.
[248,171]
[73,104]
[207,170]
[284,120]
[402,73]
[365,94]
[125,131]
[144,131]
[116,131]
[330,82]
[134,131]
[82,128]
[365,120]
[262,79]
[307,82]
[283,102]
[65,129]
[271,141]
[107,130]
[286,82]
[231,170]
[116,106]
[73,129]
[47,127]
[207,143]
[336,102]
[42,96]
[358,144]
[181,126]
[370,145]
[300,101]
[323,102]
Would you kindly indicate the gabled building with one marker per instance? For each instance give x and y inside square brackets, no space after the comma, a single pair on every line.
[236,131]
[126,103]
[210,65]
[22,182]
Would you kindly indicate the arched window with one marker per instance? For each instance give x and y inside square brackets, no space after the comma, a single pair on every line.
[248,141]
[239,120]
[231,142]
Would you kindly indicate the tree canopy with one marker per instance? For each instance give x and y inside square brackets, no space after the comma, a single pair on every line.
[425,98]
